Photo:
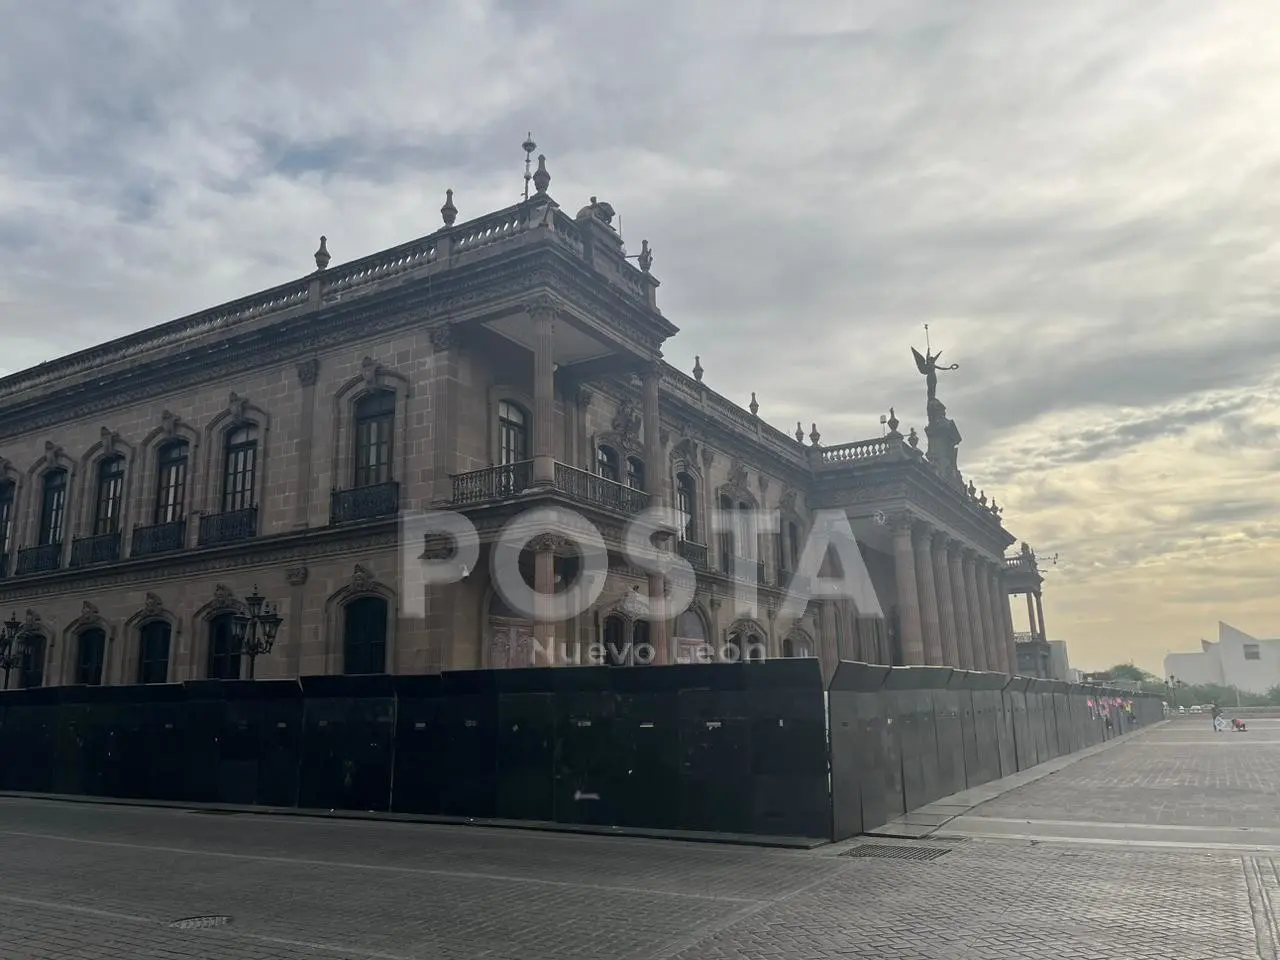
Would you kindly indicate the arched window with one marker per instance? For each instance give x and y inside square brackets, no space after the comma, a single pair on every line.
[796,647]
[171,481]
[513,434]
[91,649]
[607,464]
[110,496]
[687,503]
[690,638]
[53,507]
[616,641]
[642,652]
[153,652]
[31,673]
[375,415]
[635,473]
[239,468]
[7,490]
[364,636]
[223,658]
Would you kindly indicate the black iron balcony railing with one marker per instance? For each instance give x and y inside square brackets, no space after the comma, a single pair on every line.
[493,483]
[229,527]
[4,564]
[103,548]
[598,491]
[695,553]
[42,559]
[365,503]
[159,538]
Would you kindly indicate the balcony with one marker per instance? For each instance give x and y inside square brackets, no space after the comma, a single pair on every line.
[492,484]
[159,538]
[365,503]
[104,548]
[695,553]
[599,492]
[229,527]
[496,484]
[42,559]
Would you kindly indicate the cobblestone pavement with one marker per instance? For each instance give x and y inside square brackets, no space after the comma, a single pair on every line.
[87,881]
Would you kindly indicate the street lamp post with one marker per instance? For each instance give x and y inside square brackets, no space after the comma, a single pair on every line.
[255,633]
[14,639]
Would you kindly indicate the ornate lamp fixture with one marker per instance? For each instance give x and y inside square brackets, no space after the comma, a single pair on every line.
[15,638]
[255,634]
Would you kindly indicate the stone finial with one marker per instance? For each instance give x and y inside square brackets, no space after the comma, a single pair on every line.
[893,422]
[541,178]
[973,491]
[449,213]
[982,497]
[814,435]
[913,438]
[697,369]
[754,407]
[322,255]
[645,259]
[995,508]
[799,433]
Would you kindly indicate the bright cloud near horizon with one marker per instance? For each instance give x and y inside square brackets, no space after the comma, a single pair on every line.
[1080,199]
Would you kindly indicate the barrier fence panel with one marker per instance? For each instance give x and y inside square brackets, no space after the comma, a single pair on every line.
[729,748]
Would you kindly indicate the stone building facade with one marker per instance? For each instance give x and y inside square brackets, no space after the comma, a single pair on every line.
[151,484]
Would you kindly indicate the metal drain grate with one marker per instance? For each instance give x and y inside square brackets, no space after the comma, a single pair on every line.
[884,851]
[200,923]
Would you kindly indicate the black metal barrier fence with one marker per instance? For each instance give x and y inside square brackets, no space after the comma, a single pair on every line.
[726,748]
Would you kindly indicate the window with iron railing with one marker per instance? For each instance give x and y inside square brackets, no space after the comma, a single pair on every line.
[91,648]
[7,491]
[607,465]
[171,482]
[374,422]
[153,652]
[686,503]
[513,433]
[239,468]
[53,507]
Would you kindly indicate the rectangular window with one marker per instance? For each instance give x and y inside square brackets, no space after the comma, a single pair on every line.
[224,655]
[153,653]
[6,516]
[238,472]
[89,656]
[172,483]
[375,418]
[106,518]
[1252,651]
[53,507]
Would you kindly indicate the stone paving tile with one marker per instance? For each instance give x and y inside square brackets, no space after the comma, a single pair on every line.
[1180,774]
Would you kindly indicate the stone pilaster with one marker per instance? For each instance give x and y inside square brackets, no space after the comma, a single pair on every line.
[990,639]
[297,579]
[656,473]
[308,375]
[930,617]
[946,604]
[1011,647]
[904,563]
[544,574]
[444,412]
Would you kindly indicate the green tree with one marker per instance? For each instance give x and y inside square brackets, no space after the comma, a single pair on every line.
[1128,671]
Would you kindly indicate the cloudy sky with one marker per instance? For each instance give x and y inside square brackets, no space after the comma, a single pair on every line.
[1081,199]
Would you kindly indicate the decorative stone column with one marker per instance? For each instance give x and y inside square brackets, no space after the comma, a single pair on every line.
[1040,615]
[946,604]
[930,618]
[655,473]
[1011,646]
[544,584]
[979,644]
[1031,613]
[542,311]
[904,564]
[308,374]
[960,598]
[990,639]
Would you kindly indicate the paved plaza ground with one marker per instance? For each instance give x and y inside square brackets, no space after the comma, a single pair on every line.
[1163,845]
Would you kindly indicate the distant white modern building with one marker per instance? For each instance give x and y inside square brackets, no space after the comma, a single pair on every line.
[1236,660]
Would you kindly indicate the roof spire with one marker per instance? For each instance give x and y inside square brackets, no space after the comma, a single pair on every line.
[528,146]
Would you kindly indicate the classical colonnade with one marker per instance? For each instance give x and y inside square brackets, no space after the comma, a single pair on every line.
[953,608]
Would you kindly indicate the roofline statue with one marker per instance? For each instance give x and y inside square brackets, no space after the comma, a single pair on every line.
[928,366]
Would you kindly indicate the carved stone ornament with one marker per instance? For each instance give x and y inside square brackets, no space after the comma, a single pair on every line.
[169,423]
[584,397]
[109,439]
[708,457]
[308,371]
[664,436]
[738,475]
[87,609]
[53,453]
[787,502]
[31,621]
[153,605]
[627,421]
[541,305]
[237,406]
[361,579]
[441,337]
[369,368]
[548,541]
[5,466]
[296,576]
[223,598]
[764,483]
